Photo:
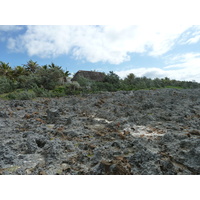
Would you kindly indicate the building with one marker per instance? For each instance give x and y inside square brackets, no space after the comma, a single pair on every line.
[95,76]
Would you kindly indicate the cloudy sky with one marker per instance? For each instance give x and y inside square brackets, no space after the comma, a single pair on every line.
[146,50]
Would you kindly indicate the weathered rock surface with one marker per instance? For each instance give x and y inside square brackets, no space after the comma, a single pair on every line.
[136,132]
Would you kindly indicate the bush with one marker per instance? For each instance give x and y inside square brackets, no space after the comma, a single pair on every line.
[25,95]
[112,78]
[59,91]
[42,78]
[113,82]
[101,86]
[74,85]
[85,83]
[41,92]
[6,85]
[49,78]
[73,88]
[28,82]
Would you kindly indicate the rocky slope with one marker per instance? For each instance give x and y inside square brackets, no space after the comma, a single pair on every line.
[136,132]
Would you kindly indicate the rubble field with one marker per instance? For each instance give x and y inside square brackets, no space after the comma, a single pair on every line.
[111,133]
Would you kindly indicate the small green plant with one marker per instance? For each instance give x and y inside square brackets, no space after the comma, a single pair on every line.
[41,92]
[59,91]
[90,155]
[174,87]
[25,95]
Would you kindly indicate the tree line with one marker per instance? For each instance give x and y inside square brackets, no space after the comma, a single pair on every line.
[113,83]
[32,80]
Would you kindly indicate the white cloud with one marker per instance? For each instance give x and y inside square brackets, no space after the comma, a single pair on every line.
[195,39]
[180,74]
[187,60]
[97,43]
[187,68]
[191,36]
[160,38]
[4,29]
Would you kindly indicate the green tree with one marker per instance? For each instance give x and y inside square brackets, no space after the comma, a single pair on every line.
[130,79]
[31,66]
[19,71]
[67,73]
[49,78]
[157,83]
[53,66]
[45,67]
[5,69]
[112,78]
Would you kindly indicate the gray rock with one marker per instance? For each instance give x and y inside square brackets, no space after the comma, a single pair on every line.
[71,134]
[52,151]
[3,114]
[96,134]
[192,160]
[7,156]
[35,142]
[52,115]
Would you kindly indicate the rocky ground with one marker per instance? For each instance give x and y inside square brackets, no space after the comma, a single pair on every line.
[136,132]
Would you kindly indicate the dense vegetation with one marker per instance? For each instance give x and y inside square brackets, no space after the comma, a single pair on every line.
[31,80]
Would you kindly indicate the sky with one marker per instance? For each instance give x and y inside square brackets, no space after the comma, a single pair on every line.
[154,51]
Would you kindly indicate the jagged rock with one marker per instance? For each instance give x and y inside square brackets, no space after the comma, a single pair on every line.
[52,115]
[3,114]
[34,142]
[7,156]
[52,150]
[71,134]
[136,132]
[115,167]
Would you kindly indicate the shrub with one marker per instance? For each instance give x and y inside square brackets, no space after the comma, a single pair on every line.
[112,78]
[101,86]
[6,85]
[84,82]
[28,82]
[25,95]
[41,92]
[49,78]
[73,88]
[113,81]
[59,91]
[74,85]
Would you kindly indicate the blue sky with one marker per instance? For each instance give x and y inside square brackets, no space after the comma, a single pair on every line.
[145,50]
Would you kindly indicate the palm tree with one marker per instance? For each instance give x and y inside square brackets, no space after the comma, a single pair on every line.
[18,71]
[45,67]
[31,66]
[5,69]
[67,74]
[53,66]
